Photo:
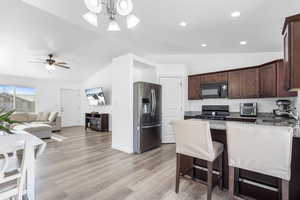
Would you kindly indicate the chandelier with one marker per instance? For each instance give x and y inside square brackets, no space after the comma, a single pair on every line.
[114,9]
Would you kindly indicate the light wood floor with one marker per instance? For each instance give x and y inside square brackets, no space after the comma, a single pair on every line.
[86,168]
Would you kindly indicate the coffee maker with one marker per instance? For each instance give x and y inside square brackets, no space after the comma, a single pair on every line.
[285,109]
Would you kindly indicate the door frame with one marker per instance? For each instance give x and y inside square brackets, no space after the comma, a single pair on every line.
[60,106]
[182,79]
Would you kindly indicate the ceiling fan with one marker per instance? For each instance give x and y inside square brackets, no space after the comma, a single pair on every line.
[50,63]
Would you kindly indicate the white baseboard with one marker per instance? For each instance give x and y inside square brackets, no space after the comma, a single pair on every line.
[123,149]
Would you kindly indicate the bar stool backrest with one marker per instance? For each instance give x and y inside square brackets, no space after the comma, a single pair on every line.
[260,148]
[193,138]
[11,144]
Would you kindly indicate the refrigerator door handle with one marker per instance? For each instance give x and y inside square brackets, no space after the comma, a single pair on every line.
[152,126]
[152,102]
[154,97]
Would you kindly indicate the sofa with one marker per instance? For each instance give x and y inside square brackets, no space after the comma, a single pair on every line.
[39,124]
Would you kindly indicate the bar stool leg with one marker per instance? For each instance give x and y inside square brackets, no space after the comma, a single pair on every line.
[194,169]
[209,179]
[231,183]
[221,171]
[285,190]
[177,172]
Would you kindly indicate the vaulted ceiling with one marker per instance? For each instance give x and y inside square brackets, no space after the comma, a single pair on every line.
[34,28]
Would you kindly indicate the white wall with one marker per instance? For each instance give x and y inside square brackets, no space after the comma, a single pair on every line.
[203,63]
[102,78]
[47,91]
[122,107]
[143,72]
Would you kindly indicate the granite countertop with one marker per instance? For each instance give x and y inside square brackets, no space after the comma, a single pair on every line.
[261,119]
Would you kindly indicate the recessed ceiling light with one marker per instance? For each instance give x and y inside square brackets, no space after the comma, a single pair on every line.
[203,45]
[235,14]
[183,23]
[243,42]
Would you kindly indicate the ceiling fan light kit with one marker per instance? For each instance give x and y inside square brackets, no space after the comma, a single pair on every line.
[114,8]
[50,67]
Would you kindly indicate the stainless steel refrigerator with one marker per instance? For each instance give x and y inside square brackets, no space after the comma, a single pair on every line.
[146,116]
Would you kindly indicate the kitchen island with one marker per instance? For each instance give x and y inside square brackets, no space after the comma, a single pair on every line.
[251,184]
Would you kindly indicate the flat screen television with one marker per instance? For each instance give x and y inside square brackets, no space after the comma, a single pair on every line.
[95,96]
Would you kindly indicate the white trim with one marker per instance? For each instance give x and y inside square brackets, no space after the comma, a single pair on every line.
[123,149]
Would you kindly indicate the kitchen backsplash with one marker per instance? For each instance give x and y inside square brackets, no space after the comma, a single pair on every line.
[265,105]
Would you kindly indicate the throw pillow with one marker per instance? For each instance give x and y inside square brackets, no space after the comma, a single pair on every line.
[32,117]
[52,116]
[43,116]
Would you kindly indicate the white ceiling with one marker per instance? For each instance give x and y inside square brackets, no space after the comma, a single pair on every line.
[34,28]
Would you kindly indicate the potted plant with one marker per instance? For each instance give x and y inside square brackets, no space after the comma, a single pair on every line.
[5,120]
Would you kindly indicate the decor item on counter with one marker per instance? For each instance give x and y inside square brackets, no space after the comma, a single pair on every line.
[248,109]
[286,109]
[113,9]
[50,63]
[5,120]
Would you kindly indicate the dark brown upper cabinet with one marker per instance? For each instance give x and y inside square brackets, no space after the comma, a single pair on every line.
[282,74]
[267,80]
[291,36]
[234,84]
[217,77]
[250,83]
[194,83]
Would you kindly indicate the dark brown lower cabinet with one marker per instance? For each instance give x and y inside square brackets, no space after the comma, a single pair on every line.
[248,189]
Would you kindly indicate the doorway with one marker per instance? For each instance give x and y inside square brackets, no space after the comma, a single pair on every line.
[70,107]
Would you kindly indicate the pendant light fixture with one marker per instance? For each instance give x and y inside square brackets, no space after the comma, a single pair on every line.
[114,9]
[113,25]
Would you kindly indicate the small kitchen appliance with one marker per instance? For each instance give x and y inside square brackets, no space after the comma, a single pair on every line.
[214,112]
[286,109]
[248,109]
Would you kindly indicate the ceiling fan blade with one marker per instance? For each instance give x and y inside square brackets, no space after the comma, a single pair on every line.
[34,61]
[61,63]
[58,65]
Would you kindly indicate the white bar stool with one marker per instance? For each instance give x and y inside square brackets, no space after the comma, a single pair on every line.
[7,152]
[193,138]
[262,149]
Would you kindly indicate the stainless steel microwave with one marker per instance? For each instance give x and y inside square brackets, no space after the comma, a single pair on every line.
[214,90]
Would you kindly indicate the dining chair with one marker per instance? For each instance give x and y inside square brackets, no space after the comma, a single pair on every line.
[263,149]
[12,181]
[193,139]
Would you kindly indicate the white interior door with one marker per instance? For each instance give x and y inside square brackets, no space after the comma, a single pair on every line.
[172,105]
[70,107]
